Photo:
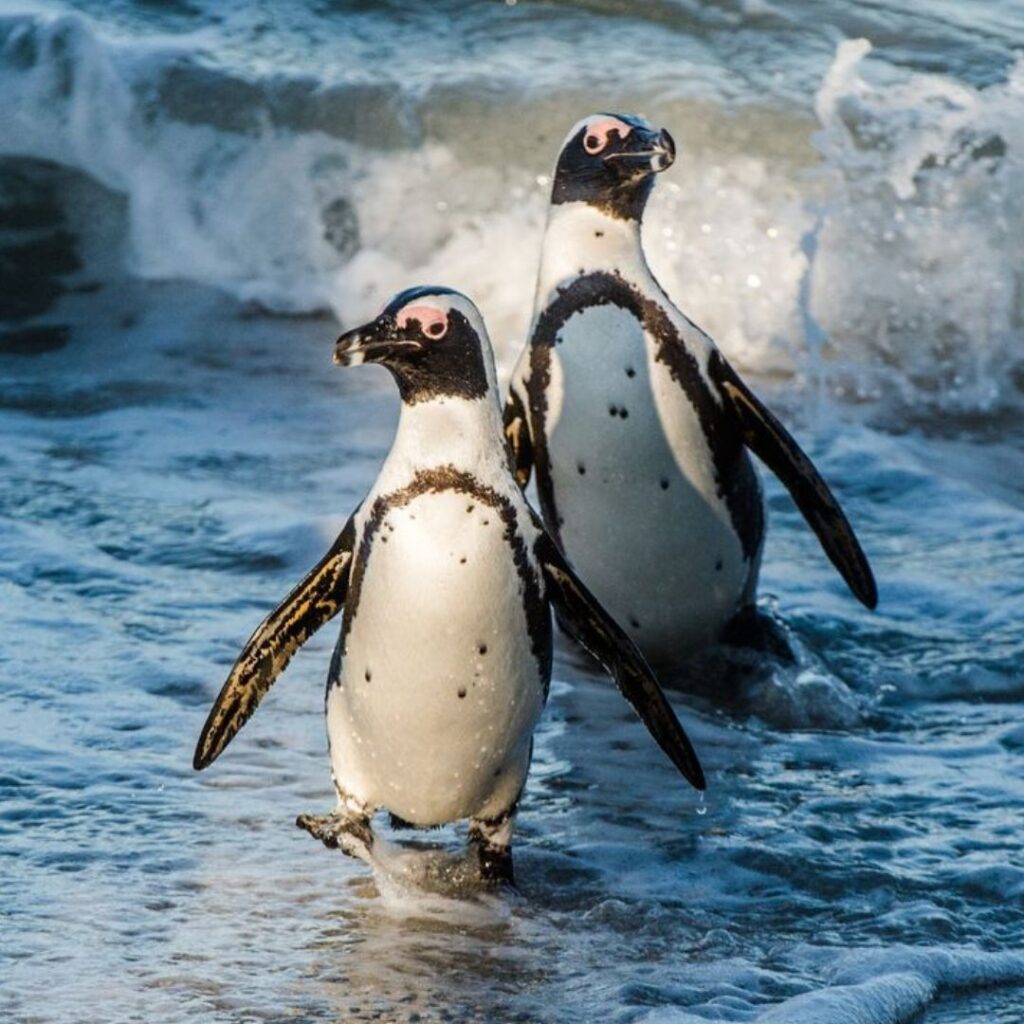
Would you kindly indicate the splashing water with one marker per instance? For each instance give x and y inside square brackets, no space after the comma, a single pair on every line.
[843,219]
[882,238]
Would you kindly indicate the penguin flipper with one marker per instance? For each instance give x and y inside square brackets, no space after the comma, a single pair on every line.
[769,440]
[316,600]
[517,436]
[593,628]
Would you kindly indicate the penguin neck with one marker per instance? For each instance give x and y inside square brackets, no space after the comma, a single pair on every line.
[465,433]
[581,239]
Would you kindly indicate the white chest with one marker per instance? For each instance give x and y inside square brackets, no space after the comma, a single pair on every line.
[440,689]
[615,416]
[635,487]
[630,473]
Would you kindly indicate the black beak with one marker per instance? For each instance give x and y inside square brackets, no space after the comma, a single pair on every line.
[646,152]
[375,342]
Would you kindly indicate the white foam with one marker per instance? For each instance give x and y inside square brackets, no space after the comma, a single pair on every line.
[915,273]
[878,986]
[888,265]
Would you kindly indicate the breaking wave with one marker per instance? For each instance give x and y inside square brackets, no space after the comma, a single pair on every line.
[868,246]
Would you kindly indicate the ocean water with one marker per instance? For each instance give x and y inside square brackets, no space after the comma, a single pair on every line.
[193,197]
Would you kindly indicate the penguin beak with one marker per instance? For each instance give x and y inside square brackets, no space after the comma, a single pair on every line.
[646,152]
[375,342]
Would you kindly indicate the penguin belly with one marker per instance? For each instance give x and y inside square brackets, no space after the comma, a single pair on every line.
[439,690]
[635,491]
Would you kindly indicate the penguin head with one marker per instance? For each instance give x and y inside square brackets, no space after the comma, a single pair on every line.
[609,161]
[432,340]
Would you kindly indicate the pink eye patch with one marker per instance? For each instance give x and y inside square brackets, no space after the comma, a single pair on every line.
[433,323]
[596,137]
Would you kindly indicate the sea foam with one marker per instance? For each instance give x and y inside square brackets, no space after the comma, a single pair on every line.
[868,246]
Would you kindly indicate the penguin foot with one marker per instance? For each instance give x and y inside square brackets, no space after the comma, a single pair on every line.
[492,840]
[340,831]
[754,630]
[495,863]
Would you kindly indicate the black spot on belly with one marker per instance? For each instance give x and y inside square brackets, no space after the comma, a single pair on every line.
[718,566]
[449,479]
[634,622]
[599,234]
[734,474]
[581,469]
[462,693]
[664,484]
[367,675]
[469,508]
[613,410]
[630,372]
[462,561]
[623,413]
[482,648]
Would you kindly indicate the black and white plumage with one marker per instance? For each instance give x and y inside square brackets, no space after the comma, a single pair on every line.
[444,578]
[637,427]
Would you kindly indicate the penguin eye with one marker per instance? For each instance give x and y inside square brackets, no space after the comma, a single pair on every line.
[593,144]
[435,329]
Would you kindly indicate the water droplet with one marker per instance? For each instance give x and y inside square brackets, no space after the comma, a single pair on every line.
[701,808]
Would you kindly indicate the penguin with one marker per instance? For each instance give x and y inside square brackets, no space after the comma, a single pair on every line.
[636,427]
[444,578]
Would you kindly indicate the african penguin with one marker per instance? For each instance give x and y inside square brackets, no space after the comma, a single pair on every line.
[636,425]
[444,578]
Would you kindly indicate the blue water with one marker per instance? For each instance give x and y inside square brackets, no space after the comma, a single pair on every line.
[192,197]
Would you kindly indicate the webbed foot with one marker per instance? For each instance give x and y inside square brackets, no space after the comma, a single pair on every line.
[340,831]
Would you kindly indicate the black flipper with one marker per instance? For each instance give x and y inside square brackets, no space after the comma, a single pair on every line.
[517,435]
[769,440]
[316,600]
[593,628]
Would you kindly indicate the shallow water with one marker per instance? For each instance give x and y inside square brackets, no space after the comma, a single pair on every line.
[173,457]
